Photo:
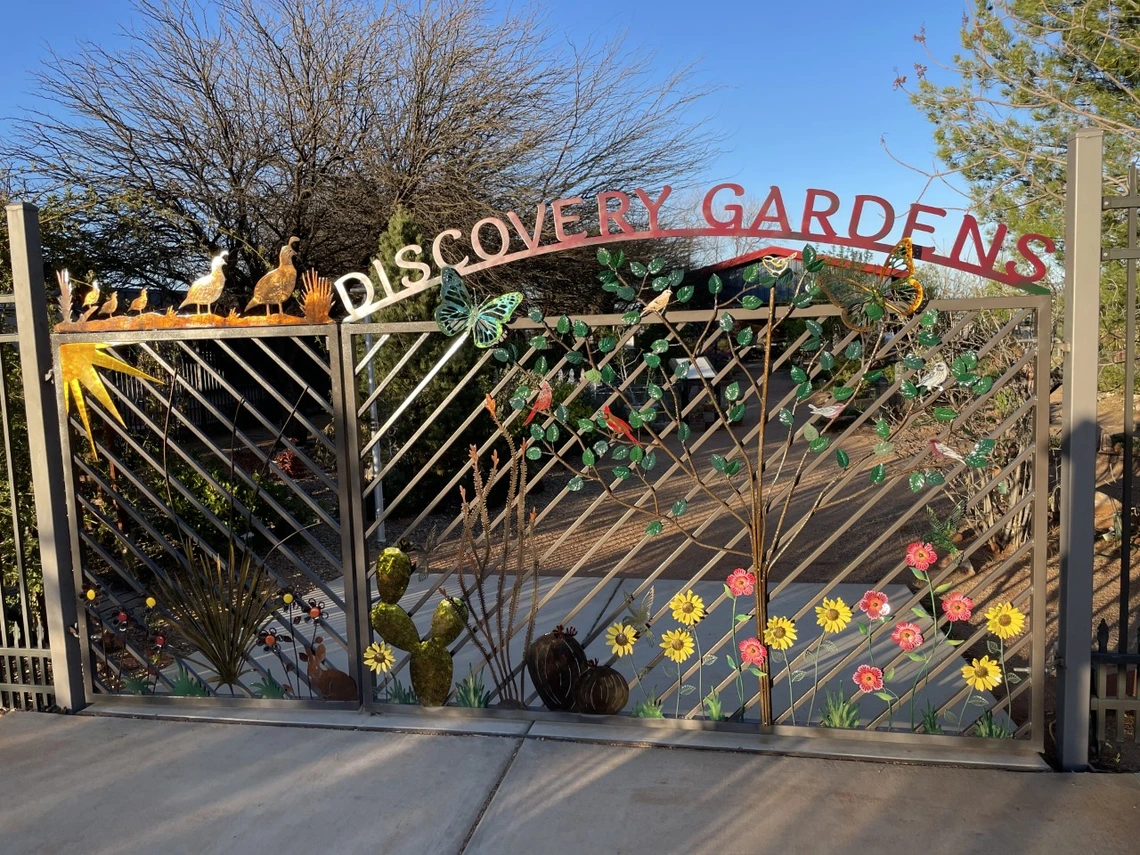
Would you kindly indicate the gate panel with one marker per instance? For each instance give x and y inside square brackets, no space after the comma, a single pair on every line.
[600,560]
[210,541]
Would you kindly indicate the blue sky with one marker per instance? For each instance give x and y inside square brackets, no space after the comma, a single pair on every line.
[807,86]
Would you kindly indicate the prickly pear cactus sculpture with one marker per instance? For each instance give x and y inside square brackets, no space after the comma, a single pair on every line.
[431,664]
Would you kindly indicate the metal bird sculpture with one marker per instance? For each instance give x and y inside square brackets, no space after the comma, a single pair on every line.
[110,305]
[138,304]
[939,450]
[936,377]
[276,286]
[618,426]
[658,303]
[828,412]
[91,300]
[541,403]
[206,290]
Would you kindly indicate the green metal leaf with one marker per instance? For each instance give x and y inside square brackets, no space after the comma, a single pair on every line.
[878,473]
[588,458]
[604,257]
[803,391]
[622,472]
[575,484]
[883,448]
[683,432]
[976,461]
[654,528]
[656,265]
[929,318]
[736,412]
[533,452]
[685,293]
[581,329]
[675,276]
[593,375]
[518,403]
[648,414]
[638,269]
[854,350]
[561,413]
[842,393]
[928,339]
[917,481]
[635,420]
[585,425]
[715,285]
[814,327]
[982,385]
[811,433]
[874,311]
[732,391]
[660,346]
[745,337]
[608,374]
[798,374]
[601,447]
[908,389]
[535,315]
[649,461]
[537,433]
[654,391]
[727,322]
[552,433]
[636,453]
[631,317]
[562,325]
[652,360]
[811,345]
[984,447]
[944,414]
[751,302]
[573,357]
[719,463]
[501,354]
[681,368]
[626,293]
[607,343]
[935,478]
[819,444]
[679,508]
[874,376]
[842,458]
[732,468]
[914,363]
[785,416]
[826,360]
[882,429]
[539,342]
[540,366]
[659,283]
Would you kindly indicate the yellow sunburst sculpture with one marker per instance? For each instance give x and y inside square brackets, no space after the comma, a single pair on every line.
[79,362]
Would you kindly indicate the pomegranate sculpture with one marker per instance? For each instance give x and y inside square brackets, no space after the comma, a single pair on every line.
[555,662]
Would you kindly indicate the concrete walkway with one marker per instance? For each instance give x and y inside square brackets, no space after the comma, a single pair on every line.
[90,784]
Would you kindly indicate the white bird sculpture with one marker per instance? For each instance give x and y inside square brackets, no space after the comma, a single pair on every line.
[828,412]
[936,377]
[939,450]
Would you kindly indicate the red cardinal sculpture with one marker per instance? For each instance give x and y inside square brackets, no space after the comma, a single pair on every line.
[618,426]
[541,403]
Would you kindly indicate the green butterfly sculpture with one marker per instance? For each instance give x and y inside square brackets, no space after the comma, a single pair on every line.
[457,311]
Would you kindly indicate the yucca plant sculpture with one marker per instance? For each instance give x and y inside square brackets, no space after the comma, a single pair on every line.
[218,601]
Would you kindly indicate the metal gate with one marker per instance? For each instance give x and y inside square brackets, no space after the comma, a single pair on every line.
[274,464]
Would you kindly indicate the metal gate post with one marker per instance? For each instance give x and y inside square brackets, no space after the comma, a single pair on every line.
[1083,206]
[46,450]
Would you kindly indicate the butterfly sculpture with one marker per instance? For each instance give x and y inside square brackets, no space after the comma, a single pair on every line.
[457,311]
[865,303]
